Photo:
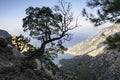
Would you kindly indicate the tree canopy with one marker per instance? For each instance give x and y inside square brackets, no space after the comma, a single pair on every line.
[22,44]
[50,26]
[113,42]
[107,10]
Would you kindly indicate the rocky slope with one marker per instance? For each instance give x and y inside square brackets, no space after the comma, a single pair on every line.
[6,35]
[94,45]
[15,66]
[94,60]
[12,68]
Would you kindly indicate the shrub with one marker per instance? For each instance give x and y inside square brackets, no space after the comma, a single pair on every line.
[31,64]
[3,43]
[113,41]
[29,73]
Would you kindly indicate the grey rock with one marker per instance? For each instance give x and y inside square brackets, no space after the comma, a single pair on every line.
[17,53]
[4,34]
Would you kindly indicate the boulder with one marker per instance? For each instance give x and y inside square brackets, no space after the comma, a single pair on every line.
[4,34]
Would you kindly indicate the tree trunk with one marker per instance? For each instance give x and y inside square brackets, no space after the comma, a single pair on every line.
[38,52]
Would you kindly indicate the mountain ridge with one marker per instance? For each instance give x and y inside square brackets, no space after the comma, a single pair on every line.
[98,58]
[91,45]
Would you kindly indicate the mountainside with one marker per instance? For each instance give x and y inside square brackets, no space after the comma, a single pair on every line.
[98,58]
[94,45]
[16,66]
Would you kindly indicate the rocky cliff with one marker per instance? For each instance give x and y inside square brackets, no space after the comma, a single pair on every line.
[95,60]
[94,45]
[15,66]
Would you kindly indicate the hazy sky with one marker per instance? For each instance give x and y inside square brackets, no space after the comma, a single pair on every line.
[13,11]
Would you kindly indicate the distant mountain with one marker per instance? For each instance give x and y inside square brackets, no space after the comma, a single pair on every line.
[94,45]
[95,59]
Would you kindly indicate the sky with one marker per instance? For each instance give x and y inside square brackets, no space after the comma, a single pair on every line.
[13,11]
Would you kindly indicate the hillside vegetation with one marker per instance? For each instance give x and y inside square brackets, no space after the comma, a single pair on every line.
[98,58]
[17,66]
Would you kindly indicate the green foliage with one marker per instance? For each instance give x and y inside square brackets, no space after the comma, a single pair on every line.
[41,21]
[85,73]
[113,41]
[22,44]
[3,43]
[54,48]
[107,10]
[79,67]
[50,26]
